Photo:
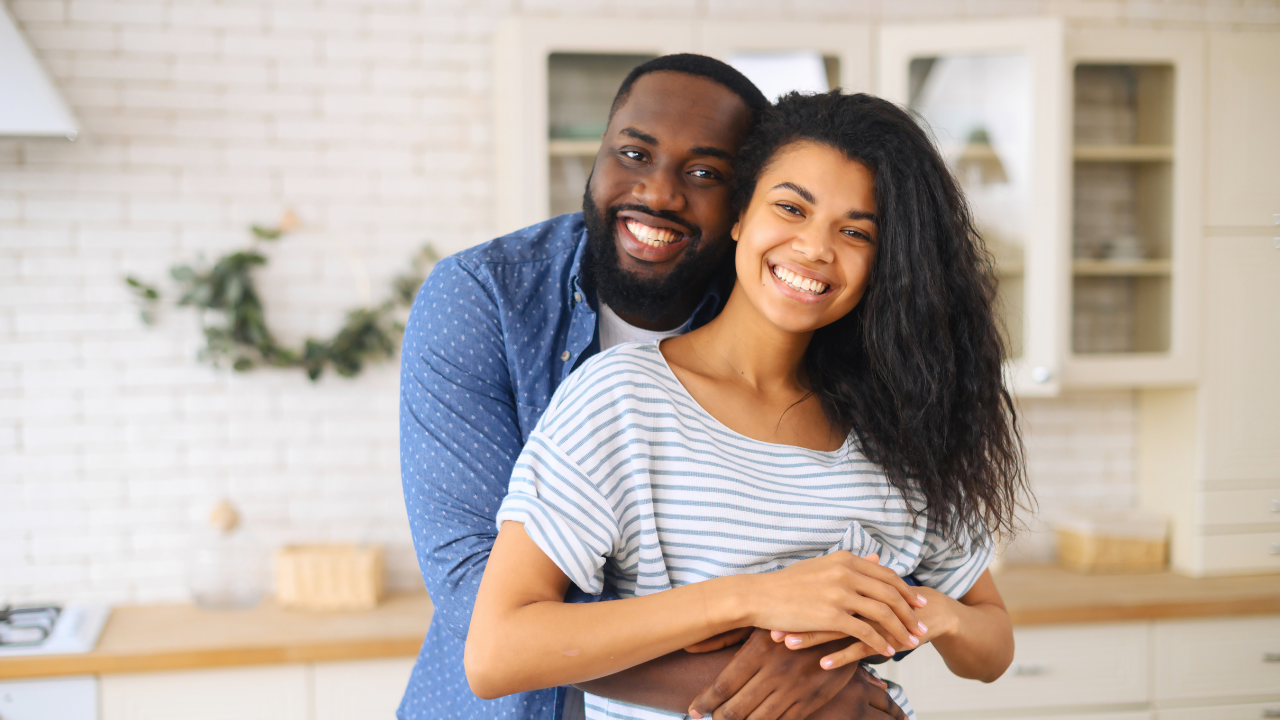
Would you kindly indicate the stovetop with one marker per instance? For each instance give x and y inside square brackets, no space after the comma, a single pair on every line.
[50,629]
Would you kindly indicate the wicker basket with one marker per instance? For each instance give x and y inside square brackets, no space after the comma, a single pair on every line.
[1115,541]
[329,577]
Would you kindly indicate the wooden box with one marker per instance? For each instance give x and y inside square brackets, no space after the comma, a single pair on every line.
[1113,541]
[329,577]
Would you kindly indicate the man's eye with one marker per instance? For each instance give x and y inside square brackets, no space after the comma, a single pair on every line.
[704,174]
[633,155]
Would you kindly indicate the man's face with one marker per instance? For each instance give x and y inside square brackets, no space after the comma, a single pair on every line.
[657,204]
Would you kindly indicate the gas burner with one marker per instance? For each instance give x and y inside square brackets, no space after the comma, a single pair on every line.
[50,629]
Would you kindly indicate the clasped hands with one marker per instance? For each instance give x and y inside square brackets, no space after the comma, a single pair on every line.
[807,672]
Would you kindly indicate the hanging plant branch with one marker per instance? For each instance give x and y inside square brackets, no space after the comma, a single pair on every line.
[234,321]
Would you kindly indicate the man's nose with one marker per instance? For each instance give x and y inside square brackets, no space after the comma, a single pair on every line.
[660,190]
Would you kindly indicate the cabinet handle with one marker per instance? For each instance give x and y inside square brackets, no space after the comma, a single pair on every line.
[1270,657]
[1275,506]
[1271,712]
[1041,374]
[1275,548]
[1029,669]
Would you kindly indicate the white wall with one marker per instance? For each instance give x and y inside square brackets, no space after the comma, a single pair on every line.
[371,119]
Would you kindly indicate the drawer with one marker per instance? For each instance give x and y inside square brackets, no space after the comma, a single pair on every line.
[361,688]
[1241,507]
[278,692]
[67,698]
[1245,553]
[1133,715]
[1217,658]
[1255,711]
[1059,666]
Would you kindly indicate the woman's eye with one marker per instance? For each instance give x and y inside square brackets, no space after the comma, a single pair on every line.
[786,207]
[857,235]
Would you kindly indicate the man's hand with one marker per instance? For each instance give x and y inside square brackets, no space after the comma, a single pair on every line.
[767,681]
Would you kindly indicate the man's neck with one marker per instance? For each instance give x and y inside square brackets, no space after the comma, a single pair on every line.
[668,321]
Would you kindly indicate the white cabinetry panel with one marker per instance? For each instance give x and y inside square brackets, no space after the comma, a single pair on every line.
[69,698]
[280,692]
[1243,187]
[1242,507]
[360,690]
[1136,715]
[1241,554]
[1255,711]
[1217,659]
[1241,384]
[1084,665]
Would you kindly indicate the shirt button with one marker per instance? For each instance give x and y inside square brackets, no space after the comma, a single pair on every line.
[564,355]
[577,297]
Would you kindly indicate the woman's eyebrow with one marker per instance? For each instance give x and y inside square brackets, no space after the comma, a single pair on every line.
[862,215]
[802,192]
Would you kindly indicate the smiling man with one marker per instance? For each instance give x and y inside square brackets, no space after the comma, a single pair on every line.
[494,331]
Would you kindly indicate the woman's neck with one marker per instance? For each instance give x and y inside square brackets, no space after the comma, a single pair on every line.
[742,344]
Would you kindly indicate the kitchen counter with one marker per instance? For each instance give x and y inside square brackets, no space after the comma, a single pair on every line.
[176,637]
[144,638]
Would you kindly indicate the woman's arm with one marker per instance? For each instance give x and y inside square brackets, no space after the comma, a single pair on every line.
[975,636]
[523,636]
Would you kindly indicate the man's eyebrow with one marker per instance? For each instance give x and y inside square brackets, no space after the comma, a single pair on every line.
[808,196]
[641,136]
[710,152]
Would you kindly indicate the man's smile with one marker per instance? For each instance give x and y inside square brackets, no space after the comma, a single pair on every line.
[650,239]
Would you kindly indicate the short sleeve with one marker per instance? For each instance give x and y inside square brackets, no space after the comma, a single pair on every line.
[953,568]
[563,512]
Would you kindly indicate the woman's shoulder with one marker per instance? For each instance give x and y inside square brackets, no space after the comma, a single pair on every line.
[622,378]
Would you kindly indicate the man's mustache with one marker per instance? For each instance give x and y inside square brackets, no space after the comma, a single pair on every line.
[667,215]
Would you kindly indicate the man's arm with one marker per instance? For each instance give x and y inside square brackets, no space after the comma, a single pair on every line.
[459,435]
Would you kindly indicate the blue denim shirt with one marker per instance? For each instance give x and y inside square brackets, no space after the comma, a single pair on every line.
[493,332]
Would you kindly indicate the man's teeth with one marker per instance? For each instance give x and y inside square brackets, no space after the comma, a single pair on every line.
[652,236]
[799,282]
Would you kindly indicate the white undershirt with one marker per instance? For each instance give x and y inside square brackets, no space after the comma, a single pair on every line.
[615,331]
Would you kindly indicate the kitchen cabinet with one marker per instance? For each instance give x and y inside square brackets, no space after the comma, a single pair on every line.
[301,691]
[1243,187]
[63,698]
[1167,670]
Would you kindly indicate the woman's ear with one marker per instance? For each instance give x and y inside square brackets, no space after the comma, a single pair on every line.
[733,231]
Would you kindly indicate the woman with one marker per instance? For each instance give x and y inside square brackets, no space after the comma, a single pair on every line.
[840,424]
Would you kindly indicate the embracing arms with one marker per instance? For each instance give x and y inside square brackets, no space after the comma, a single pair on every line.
[523,637]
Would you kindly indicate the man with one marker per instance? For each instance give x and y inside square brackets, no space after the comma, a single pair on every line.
[495,330]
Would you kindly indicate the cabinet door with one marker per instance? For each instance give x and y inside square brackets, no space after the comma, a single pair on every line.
[66,698]
[1241,374]
[279,692]
[1244,109]
[522,49]
[361,689]
[1225,659]
[845,48]
[1253,711]
[993,95]
[1053,667]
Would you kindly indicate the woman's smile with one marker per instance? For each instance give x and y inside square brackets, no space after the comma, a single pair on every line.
[805,285]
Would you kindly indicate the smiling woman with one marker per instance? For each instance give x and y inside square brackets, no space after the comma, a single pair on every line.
[725,478]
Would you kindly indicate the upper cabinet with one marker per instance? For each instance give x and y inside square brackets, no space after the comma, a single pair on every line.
[1136,169]
[1244,124]
[992,95]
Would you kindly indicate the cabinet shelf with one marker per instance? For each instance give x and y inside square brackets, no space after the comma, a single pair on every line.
[560,147]
[1120,268]
[1123,153]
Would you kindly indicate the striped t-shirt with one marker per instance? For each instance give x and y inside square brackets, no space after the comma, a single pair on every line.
[627,480]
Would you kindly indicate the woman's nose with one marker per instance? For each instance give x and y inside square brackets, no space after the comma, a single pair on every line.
[814,245]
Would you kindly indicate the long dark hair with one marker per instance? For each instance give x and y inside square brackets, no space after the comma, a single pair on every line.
[914,370]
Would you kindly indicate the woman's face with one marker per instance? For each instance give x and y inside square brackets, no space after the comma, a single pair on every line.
[807,239]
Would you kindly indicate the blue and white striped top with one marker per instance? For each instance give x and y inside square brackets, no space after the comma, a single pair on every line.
[626,479]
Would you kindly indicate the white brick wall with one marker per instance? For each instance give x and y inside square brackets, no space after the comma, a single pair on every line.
[371,119]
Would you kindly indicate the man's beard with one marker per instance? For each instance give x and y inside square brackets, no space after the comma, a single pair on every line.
[651,299]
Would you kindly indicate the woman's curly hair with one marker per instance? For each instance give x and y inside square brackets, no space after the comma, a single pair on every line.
[914,370]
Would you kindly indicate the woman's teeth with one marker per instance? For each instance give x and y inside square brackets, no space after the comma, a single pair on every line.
[652,236]
[799,282]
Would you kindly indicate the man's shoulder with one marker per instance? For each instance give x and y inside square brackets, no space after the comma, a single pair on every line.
[550,241]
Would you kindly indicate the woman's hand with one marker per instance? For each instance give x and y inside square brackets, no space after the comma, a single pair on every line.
[825,593]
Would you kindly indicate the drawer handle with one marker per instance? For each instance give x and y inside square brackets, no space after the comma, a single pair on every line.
[1031,669]
[1271,657]
[1271,712]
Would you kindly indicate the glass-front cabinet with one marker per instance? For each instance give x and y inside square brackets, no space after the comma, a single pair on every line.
[990,94]
[1079,153]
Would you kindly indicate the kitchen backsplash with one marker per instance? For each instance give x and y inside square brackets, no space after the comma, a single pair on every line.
[371,119]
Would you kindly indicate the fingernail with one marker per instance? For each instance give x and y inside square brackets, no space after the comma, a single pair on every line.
[923,630]
[891,652]
[827,663]
[914,640]
[695,714]
[922,600]
[793,641]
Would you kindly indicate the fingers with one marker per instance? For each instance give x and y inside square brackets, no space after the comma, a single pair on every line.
[860,630]
[723,640]
[851,654]
[864,675]
[800,641]
[871,567]
[879,702]
[737,674]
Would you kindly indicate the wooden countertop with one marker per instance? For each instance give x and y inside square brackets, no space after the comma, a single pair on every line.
[144,638]
[177,637]
[1047,594]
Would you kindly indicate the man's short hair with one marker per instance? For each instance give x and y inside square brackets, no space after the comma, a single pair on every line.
[699,66]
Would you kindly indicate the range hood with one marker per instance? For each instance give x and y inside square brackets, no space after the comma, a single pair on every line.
[30,105]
